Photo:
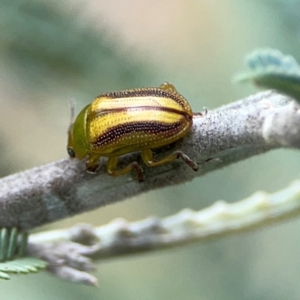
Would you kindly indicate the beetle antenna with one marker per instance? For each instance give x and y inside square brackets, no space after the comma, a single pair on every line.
[73,108]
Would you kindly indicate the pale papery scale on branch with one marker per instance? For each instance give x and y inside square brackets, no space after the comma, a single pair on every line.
[70,253]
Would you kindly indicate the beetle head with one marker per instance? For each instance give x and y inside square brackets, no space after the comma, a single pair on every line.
[77,142]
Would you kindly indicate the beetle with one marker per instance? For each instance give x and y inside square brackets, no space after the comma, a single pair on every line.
[128,121]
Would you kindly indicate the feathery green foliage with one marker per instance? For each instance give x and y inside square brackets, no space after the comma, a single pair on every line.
[12,243]
[271,69]
[24,265]
[12,247]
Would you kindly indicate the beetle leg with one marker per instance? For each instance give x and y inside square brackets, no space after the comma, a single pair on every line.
[147,157]
[168,87]
[92,164]
[112,165]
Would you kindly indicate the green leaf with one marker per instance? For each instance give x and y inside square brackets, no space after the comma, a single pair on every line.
[4,235]
[23,265]
[12,243]
[269,68]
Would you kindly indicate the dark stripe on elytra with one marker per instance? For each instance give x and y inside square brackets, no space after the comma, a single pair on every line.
[116,132]
[146,92]
[126,109]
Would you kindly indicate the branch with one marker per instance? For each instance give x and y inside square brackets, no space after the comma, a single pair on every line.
[72,249]
[230,133]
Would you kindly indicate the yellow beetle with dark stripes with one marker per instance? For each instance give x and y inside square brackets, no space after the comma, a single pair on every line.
[133,120]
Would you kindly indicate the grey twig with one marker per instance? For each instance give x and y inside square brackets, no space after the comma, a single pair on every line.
[69,251]
[229,134]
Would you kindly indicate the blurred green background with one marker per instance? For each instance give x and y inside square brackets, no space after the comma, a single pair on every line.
[50,52]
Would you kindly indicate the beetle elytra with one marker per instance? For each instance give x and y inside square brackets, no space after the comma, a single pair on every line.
[128,121]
